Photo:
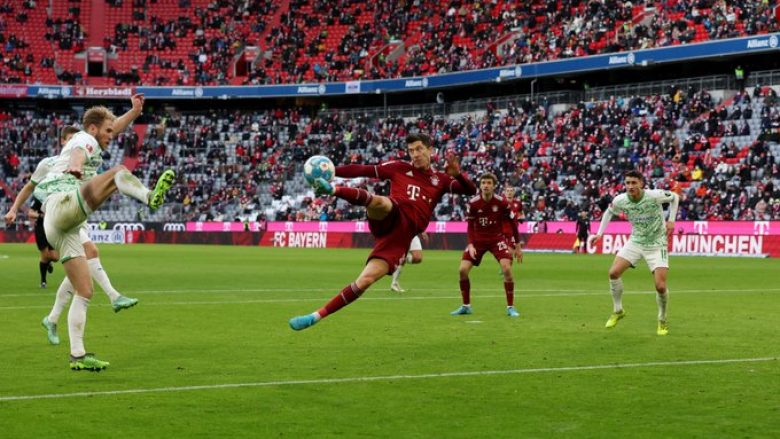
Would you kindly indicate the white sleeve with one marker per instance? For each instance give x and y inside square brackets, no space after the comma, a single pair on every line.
[40,171]
[662,196]
[673,207]
[614,207]
[605,218]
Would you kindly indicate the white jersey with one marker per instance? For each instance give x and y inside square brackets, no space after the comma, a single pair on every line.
[43,169]
[57,180]
[648,226]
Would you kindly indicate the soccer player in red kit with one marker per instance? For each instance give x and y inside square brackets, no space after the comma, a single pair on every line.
[516,206]
[487,214]
[415,189]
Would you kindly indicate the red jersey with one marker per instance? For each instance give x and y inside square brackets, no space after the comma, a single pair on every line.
[486,220]
[420,190]
[517,209]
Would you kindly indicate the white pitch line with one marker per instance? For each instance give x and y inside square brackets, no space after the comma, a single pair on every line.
[387,378]
[434,290]
[386,298]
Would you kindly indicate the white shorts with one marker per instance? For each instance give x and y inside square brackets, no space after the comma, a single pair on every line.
[83,234]
[63,223]
[416,245]
[655,257]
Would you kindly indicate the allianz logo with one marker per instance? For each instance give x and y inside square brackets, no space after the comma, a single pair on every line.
[621,59]
[306,89]
[182,92]
[416,82]
[50,91]
[757,43]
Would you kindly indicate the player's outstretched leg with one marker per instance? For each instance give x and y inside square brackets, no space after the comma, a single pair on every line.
[373,271]
[323,187]
[349,294]
[164,184]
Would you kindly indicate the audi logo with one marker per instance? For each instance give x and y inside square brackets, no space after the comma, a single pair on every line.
[174,227]
[129,226]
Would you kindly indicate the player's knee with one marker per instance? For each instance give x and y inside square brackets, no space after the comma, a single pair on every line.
[614,274]
[508,276]
[91,250]
[366,280]
[416,257]
[660,287]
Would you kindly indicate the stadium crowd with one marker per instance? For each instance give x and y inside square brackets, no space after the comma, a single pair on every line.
[721,157]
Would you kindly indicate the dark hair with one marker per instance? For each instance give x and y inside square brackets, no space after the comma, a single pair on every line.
[419,137]
[635,174]
[68,131]
[488,175]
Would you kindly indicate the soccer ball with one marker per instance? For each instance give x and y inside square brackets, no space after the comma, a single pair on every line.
[318,166]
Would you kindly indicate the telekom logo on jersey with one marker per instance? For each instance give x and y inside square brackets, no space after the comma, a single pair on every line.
[413,191]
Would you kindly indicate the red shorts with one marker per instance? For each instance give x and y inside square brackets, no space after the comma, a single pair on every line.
[393,234]
[500,250]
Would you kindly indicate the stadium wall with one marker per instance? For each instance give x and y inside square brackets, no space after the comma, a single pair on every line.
[700,244]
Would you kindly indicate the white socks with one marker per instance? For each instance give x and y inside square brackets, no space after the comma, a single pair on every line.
[100,276]
[616,288]
[397,273]
[77,320]
[661,300]
[64,293]
[131,186]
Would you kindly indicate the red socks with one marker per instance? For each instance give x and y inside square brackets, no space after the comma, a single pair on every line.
[358,197]
[509,287]
[349,294]
[465,291]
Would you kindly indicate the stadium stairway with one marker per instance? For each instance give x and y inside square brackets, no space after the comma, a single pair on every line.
[96,26]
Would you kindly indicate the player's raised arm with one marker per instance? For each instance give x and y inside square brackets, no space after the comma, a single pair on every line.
[123,121]
[462,184]
[76,164]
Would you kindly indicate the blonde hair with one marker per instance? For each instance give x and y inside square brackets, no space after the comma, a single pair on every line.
[96,116]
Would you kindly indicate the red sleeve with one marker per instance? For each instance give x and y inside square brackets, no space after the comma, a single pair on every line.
[354,171]
[382,171]
[462,185]
[509,217]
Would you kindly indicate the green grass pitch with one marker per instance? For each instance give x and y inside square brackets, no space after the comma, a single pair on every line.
[208,351]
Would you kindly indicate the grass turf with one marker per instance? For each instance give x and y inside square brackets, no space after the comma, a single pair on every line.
[208,351]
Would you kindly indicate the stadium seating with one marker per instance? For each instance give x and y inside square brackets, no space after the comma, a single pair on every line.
[721,156]
[190,42]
